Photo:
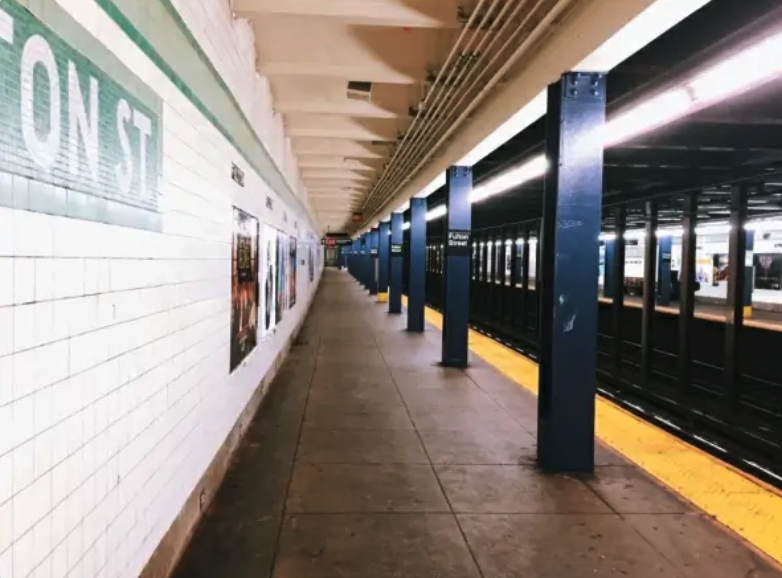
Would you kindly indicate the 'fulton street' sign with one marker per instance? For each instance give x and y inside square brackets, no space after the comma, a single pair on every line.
[73,140]
[458,243]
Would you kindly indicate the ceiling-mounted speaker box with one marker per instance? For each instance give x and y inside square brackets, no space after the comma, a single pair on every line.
[360,90]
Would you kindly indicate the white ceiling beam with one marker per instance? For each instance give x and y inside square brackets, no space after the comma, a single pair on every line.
[375,72]
[290,46]
[356,133]
[331,147]
[326,162]
[345,108]
[411,13]
[340,179]
[331,193]
[339,175]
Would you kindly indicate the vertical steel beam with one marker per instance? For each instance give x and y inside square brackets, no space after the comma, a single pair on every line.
[366,260]
[749,273]
[569,266]
[474,260]
[357,259]
[486,254]
[524,295]
[416,298]
[734,320]
[538,277]
[383,255]
[456,273]
[618,290]
[514,276]
[351,258]
[608,267]
[492,276]
[503,279]
[650,290]
[373,260]
[687,291]
[665,244]
[395,267]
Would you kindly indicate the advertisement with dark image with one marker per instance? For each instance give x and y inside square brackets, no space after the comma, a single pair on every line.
[292,266]
[720,261]
[768,271]
[244,287]
[311,263]
[280,274]
[270,280]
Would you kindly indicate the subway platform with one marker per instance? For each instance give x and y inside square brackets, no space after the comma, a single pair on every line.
[368,460]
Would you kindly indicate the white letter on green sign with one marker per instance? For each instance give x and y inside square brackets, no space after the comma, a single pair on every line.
[42,150]
[78,123]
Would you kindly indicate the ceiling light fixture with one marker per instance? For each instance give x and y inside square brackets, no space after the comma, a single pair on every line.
[747,69]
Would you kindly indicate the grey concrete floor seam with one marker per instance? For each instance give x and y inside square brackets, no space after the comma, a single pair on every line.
[283,515]
[612,511]
[457,494]
[442,488]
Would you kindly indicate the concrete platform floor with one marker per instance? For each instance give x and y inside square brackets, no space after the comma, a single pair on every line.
[368,460]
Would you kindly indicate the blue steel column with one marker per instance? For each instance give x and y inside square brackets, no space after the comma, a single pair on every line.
[382,274]
[359,264]
[665,245]
[734,321]
[569,266]
[416,297]
[397,261]
[365,261]
[608,268]
[687,293]
[456,274]
[372,266]
[354,259]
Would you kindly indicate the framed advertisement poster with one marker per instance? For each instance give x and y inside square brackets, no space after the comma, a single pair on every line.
[311,263]
[280,275]
[292,266]
[768,271]
[244,286]
[270,278]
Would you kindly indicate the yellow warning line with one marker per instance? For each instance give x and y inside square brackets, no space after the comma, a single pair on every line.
[744,504]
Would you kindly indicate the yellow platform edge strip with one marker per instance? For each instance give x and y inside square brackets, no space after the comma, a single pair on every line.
[382,297]
[748,506]
[749,322]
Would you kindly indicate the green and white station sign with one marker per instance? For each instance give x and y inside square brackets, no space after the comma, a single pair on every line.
[74,140]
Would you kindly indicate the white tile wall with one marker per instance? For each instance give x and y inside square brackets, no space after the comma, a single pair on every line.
[114,353]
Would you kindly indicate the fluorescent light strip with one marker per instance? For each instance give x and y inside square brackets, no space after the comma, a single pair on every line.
[746,70]
[769,225]
[534,110]
[655,20]
[659,17]
[435,213]
[719,228]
